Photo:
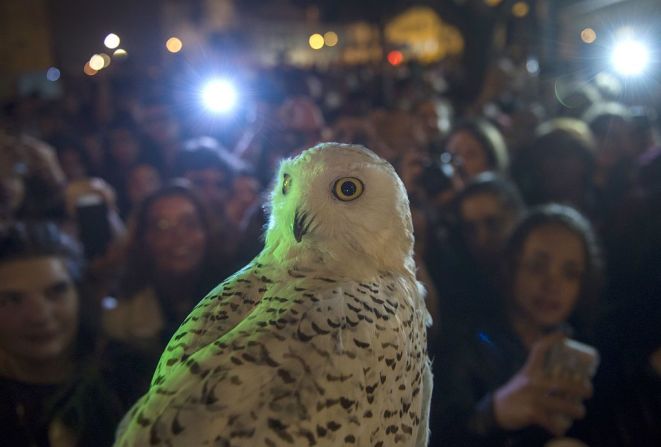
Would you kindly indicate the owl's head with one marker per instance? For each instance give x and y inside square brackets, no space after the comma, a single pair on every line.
[341,205]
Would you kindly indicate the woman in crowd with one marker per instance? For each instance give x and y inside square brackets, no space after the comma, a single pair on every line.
[463,260]
[492,387]
[477,146]
[171,264]
[55,389]
[558,166]
[31,180]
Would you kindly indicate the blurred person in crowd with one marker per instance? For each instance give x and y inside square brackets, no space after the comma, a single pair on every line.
[210,168]
[519,132]
[576,98]
[162,132]
[72,157]
[628,385]
[400,131]
[171,260]
[124,151]
[142,180]
[94,152]
[611,126]
[435,117]
[465,262]
[246,214]
[56,387]
[301,125]
[245,195]
[31,180]
[645,134]
[359,130]
[487,208]
[558,166]
[491,386]
[477,146]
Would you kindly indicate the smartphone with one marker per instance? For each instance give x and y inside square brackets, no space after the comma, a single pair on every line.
[93,225]
[573,360]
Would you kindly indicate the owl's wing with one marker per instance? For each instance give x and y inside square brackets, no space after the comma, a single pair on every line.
[308,365]
[216,314]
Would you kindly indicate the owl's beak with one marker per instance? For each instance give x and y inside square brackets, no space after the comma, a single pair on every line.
[301,225]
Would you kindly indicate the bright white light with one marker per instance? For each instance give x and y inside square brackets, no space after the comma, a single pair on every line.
[111,41]
[630,57]
[96,62]
[219,95]
[532,65]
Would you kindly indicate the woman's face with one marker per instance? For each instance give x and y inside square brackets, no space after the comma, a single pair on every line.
[38,309]
[549,276]
[470,155]
[175,235]
[485,225]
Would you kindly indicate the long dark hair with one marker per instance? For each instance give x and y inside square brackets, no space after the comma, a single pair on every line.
[139,271]
[27,240]
[490,138]
[584,314]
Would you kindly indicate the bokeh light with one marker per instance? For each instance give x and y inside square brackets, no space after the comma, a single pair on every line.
[331,38]
[588,35]
[316,41]
[106,59]
[111,41]
[96,62]
[395,57]
[174,44]
[520,9]
[532,65]
[120,53]
[493,2]
[89,71]
[53,74]
[630,57]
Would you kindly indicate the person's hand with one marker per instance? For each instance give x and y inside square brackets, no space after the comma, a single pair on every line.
[533,398]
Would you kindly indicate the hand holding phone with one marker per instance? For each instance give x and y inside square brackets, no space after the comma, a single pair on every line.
[93,225]
[535,397]
[571,360]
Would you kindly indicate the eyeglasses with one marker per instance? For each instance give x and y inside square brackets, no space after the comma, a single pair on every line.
[185,224]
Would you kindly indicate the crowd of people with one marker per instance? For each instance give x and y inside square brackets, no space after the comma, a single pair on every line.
[122,206]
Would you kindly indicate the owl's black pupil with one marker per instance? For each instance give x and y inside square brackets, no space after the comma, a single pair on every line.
[348,188]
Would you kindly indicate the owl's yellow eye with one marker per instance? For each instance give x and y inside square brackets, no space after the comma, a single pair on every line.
[348,188]
[286,184]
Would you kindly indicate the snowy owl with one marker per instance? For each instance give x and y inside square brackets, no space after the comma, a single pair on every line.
[320,340]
